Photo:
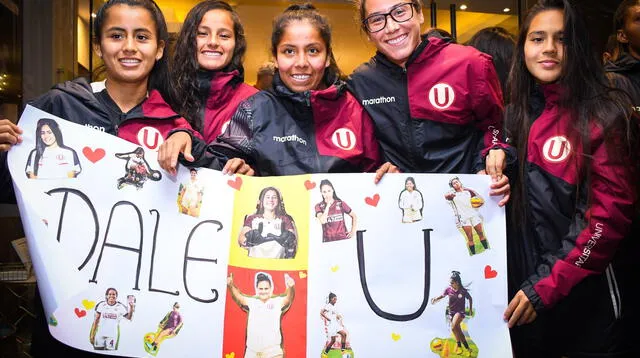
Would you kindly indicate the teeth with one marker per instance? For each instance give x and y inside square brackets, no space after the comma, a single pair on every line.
[212,53]
[397,39]
[301,77]
[129,60]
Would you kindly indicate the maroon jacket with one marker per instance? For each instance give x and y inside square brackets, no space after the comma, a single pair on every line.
[574,238]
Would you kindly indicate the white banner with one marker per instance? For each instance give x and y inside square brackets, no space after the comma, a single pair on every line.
[131,261]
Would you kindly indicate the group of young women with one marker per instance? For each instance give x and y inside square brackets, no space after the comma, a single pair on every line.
[422,105]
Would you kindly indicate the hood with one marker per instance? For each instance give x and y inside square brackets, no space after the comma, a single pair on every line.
[624,63]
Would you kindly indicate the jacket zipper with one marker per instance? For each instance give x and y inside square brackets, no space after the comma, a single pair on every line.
[412,150]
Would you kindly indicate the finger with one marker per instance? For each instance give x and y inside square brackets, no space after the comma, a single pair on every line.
[187,152]
[515,317]
[231,167]
[510,308]
[4,147]
[12,126]
[393,169]
[504,200]
[482,172]
[380,172]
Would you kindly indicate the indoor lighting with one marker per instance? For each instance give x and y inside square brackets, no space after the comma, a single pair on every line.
[506,9]
[463,7]
[93,14]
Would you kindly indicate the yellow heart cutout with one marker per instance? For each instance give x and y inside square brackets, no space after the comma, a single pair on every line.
[302,274]
[334,268]
[88,304]
[230,355]
[395,336]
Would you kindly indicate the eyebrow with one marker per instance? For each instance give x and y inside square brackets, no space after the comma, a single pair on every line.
[541,32]
[115,28]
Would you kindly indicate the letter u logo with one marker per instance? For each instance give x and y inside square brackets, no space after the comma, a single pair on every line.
[150,138]
[344,138]
[441,96]
[556,149]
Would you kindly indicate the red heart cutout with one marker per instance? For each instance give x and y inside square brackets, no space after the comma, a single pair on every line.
[309,184]
[373,201]
[236,184]
[80,313]
[93,155]
[489,273]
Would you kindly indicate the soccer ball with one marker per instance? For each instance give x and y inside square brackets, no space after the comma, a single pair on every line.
[476,201]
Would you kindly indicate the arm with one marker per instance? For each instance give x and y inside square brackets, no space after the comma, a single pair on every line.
[436,299]
[236,142]
[289,293]
[322,314]
[237,296]
[322,215]
[132,307]
[354,224]
[594,239]
[94,327]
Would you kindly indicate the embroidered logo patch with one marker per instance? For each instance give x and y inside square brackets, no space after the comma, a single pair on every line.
[150,138]
[344,138]
[441,96]
[556,149]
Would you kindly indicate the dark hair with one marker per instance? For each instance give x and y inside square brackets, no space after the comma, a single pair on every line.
[620,16]
[410,179]
[440,33]
[587,96]
[110,289]
[500,44]
[193,170]
[280,210]
[261,276]
[455,277]
[452,179]
[40,145]
[324,182]
[306,12]
[360,4]
[159,76]
[184,65]
[332,296]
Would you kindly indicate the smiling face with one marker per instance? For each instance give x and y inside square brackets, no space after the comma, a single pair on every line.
[111,297]
[47,136]
[270,200]
[544,46]
[409,185]
[215,40]
[264,290]
[302,57]
[129,45]
[396,40]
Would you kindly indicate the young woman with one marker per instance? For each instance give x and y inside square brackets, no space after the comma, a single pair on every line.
[330,213]
[207,74]
[264,315]
[130,37]
[333,325]
[467,216]
[51,158]
[456,310]
[572,255]
[307,122]
[105,329]
[270,232]
[410,202]
[437,106]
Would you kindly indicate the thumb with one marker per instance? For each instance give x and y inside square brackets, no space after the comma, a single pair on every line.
[187,152]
